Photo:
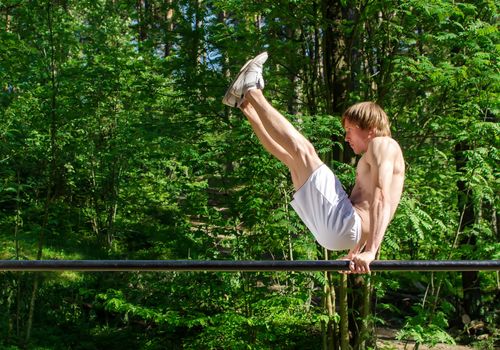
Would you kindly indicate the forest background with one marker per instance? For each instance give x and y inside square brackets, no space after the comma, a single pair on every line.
[114,144]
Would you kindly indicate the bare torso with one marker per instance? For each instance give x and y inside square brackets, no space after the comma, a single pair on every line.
[363,191]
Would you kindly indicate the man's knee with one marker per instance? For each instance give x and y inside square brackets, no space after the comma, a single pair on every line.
[305,151]
[304,161]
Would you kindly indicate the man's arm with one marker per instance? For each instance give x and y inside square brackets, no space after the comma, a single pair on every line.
[381,156]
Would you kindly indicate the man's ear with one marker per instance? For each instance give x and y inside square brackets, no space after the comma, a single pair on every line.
[372,133]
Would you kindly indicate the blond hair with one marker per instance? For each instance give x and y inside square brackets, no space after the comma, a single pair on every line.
[368,115]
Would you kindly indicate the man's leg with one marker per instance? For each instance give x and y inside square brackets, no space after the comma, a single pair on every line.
[295,150]
[265,139]
[276,133]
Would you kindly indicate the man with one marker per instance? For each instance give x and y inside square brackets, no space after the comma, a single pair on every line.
[337,221]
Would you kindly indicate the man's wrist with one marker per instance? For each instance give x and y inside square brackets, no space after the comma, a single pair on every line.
[370,252]
[370,248]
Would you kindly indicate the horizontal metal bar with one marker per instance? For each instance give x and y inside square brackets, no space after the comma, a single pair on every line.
[238,265]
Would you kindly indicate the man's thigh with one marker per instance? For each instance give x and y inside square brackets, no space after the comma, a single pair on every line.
[301,170]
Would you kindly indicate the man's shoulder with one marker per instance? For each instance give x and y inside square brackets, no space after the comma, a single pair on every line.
[384,147]
[383,141]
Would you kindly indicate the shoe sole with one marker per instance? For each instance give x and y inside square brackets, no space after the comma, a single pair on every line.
[228,93]
[242,72]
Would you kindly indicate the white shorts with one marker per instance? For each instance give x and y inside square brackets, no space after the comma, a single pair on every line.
[326,210]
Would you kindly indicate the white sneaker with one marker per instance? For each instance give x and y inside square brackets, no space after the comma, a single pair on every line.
[231,100]
[249,77]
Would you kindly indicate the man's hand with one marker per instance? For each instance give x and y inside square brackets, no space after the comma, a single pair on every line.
[352,254]
[360,263]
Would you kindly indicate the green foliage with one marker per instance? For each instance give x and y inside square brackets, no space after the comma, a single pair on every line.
[430,334]
[114,144]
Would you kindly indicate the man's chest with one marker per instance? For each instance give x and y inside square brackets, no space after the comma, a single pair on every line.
[363,170]
[362,189]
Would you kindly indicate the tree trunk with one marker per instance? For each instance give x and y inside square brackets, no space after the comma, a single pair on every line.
[344,313]
[470,279]
[169,22]
[31,312]
[330,328]
[7,21]
[141,14]
[366,326]
[337,62]
[54,183]
[329,50]
[18,223]
[196,53]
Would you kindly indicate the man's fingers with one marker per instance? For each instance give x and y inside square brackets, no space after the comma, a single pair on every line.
[351,267]
[347,257]
[359,266]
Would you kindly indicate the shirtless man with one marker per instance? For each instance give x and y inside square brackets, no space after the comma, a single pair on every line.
[338,222]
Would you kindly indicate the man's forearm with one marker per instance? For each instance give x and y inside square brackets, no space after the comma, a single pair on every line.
[380,216]
[359,246]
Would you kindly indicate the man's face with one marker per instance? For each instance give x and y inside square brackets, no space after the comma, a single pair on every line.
[357,138]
